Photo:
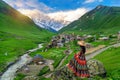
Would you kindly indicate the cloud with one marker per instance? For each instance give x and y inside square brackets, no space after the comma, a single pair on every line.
[29,4]
[30,13]
[68,15]
[91,1]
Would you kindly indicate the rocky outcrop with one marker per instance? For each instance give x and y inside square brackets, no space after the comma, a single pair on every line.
[95,68]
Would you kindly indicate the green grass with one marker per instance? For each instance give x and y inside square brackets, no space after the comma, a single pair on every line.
[19,76]
[43,78]
[106,43]
[111,61]
[44,70]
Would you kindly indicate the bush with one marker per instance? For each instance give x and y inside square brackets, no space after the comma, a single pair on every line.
[43,78]
[91,39]
[19,76]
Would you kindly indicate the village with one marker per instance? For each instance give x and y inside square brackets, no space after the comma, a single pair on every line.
[38,62]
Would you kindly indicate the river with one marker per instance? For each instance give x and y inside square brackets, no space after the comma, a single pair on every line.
[10,73]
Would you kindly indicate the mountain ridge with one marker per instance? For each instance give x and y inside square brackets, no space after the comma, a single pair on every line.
[98,18]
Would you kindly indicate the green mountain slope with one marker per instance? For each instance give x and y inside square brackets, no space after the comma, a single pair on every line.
[12,21]
[18,33]
[101,19]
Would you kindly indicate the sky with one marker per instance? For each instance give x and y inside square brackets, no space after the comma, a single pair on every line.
[69,10]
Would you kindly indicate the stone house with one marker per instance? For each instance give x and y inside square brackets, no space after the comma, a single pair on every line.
[38,59]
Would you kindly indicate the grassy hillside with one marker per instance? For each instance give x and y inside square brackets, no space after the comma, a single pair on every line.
[18,33]
[102,19]
[111,61]
[11,21]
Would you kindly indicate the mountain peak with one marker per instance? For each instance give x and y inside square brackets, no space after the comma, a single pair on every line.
[100,6]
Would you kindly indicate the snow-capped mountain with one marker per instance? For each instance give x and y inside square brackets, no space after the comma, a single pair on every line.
[48,23]
[45,21]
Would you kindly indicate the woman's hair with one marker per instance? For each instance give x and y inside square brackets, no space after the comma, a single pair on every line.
[79,39]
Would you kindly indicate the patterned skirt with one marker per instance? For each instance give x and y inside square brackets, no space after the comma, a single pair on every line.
[78,65]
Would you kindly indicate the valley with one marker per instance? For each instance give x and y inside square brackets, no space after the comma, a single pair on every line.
[35,48]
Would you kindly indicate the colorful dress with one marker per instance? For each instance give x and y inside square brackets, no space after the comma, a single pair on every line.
[78,64]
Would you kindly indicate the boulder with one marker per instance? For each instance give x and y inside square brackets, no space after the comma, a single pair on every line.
[95,67]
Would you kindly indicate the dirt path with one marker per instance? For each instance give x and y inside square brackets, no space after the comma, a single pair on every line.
[91,50]
[9,74]
[49,63]
[89,56]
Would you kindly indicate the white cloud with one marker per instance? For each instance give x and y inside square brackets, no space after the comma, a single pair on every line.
[91,1]
[68,15]
[29,4]
[30,13]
